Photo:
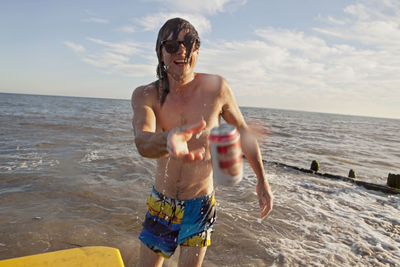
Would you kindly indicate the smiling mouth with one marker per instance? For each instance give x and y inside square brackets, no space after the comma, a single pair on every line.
[180,62]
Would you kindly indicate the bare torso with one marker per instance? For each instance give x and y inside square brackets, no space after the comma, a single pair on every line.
[200,99]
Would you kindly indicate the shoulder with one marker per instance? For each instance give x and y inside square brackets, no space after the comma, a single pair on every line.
[210,78]
[215,82]
[145,90]
[145,93]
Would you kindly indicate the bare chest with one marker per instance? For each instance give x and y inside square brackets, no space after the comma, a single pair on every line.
[183,110]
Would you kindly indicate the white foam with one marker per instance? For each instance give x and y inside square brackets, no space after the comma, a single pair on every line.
[321,221]
[28,161]
[91,156]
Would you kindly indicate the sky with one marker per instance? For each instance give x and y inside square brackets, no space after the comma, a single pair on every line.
[333,56]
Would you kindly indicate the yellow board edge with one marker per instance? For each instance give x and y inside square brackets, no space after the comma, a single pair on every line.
[97,256]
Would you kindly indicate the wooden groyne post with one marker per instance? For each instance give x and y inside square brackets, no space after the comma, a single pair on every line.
[389,189]
[393,180]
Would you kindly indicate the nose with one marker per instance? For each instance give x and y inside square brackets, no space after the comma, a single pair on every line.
[182,48]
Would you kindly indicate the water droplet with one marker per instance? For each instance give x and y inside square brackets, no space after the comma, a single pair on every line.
[166,170]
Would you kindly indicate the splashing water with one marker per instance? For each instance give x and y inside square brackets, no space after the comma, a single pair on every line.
[200,133]
[166,173]
[205,129]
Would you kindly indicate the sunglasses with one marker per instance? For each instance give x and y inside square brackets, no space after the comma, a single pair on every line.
[172,46]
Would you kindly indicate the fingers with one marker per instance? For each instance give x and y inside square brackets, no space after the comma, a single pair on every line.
[263,207]
[173,148]
[177,142]
[266,204]
[265,211]
[195,155]
[195,128]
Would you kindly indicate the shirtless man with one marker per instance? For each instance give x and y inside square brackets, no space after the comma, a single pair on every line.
[172,121]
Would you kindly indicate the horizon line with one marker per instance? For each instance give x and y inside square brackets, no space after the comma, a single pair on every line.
[280,109]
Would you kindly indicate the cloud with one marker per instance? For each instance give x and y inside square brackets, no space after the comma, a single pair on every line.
[113,63]
[292,40]
[127,29]
[106,59]
[258,68]
[136,70]
[330,20]
[116,64]
[305,71]
[75,47]
[205,7]
[127,58]
[155,21]
[348,60]
[125,48]
[357,10]
[95,20]
[371,23]
[195,11]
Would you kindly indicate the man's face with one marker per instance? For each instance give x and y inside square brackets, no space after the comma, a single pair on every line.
[179,64]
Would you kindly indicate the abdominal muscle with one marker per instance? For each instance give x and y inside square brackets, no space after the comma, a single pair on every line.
[184,180]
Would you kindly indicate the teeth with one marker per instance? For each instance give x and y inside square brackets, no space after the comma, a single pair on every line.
[180,61]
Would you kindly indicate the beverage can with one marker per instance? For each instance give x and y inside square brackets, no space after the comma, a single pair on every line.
[226,155]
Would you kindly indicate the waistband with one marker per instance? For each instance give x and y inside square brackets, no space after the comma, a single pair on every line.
[163,197]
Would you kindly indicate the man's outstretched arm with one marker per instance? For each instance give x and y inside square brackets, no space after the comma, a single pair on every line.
[232,115]
[148,143]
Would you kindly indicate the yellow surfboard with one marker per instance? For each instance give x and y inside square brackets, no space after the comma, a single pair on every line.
[84,257]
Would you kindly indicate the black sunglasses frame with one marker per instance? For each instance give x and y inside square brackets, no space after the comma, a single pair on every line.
[172,46]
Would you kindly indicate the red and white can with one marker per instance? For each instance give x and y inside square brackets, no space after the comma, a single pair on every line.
[226,154]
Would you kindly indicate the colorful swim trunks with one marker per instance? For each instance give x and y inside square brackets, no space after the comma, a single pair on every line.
[170,222]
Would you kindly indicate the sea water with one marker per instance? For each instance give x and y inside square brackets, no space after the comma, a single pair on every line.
[70,176]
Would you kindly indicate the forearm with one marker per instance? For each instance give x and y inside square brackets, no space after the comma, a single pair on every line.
[252,152]
[152,145]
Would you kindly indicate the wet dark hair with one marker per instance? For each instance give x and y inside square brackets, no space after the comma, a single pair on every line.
[174,26]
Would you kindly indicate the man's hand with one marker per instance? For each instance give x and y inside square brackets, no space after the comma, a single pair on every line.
[177,142]
[265,198]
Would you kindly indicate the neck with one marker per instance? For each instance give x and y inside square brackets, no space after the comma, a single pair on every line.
[178,84]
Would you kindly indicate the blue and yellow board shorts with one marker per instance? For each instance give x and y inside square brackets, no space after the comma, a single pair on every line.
[170,222]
